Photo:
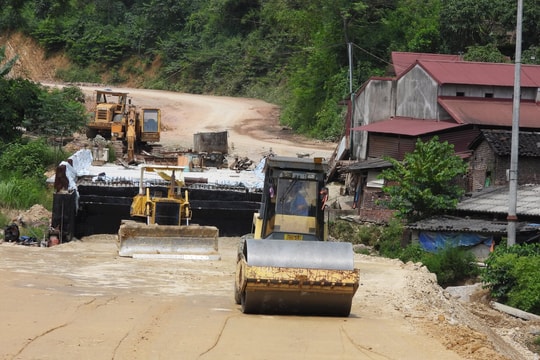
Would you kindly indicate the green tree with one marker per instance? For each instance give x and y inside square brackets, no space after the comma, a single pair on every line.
[467,23]
[422,184]
[60,112]
[473,22]
[290,52]
[318,69]
[531,55]
[11,15]
[512,274]
[6,64]
[486,53]
[27,106]
[17,98]
[414,26]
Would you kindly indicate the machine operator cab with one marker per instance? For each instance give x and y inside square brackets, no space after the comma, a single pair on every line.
[293,205]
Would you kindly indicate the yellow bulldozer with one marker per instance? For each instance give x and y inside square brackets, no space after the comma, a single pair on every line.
[166,231]
[286,266]
[130,128]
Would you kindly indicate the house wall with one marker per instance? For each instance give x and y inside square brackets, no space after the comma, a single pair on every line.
[395,147]
[528,170]
[486,168]
[496,92]
[417,95]
[376,102]
[369,210]
[481,167]
[461,139]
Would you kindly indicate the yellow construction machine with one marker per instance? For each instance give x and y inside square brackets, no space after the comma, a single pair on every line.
[166,231]
[286,266]
[130,128]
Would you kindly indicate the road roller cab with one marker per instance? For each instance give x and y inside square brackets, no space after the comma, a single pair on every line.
[293,201]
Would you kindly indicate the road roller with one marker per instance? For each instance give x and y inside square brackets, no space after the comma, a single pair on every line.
[287,265]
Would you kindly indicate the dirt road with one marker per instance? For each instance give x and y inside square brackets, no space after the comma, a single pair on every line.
[253,125]
[81,301]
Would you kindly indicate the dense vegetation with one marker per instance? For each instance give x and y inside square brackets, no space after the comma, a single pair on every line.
[512,276]
[291,52]
[30,116]
[452,265]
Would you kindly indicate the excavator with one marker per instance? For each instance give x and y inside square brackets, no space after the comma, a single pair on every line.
[165,231]
[131,129]
[287,266]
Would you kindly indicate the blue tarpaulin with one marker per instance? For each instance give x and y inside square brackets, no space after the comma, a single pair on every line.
[434,241]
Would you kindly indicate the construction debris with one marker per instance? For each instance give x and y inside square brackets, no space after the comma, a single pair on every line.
[241,164]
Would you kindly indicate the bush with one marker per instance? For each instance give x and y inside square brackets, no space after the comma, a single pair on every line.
[22,174]
[452,265]
[79,74]
[22,193]
[389,244]
[354,233]
[512,275]
[412,252]
[27,160]
[342,230]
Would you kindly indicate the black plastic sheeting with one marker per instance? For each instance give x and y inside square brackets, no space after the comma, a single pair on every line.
[102,208]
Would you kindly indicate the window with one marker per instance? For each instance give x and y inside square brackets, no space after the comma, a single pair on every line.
[460,93]
[296,197]
[150,123]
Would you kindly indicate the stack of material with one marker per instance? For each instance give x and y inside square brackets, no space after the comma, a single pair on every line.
[241,164]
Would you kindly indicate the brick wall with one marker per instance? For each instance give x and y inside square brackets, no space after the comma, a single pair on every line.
[481,167]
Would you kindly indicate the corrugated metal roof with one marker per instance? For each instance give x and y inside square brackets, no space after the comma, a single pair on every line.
[456,224]
[407,126]
[368,164]
[403,60]
[501,142]
[493,112]
[495,200]
[480,73]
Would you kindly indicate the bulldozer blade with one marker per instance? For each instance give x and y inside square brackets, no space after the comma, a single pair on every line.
[189,242]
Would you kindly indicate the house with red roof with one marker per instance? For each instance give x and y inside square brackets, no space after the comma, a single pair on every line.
[440,95]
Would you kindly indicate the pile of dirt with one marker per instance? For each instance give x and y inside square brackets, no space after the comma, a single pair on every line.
[450,320]
[36,216]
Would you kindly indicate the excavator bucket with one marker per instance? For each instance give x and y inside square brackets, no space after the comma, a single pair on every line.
[295,277]
[190,242]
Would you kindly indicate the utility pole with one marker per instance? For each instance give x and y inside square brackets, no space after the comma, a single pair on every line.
[351,94]
[514,155]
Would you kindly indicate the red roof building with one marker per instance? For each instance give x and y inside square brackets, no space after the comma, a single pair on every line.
[439,95]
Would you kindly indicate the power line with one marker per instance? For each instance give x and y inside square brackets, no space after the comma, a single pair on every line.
[371,54]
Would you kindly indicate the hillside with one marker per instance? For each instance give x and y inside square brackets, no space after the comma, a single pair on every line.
[33,64]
